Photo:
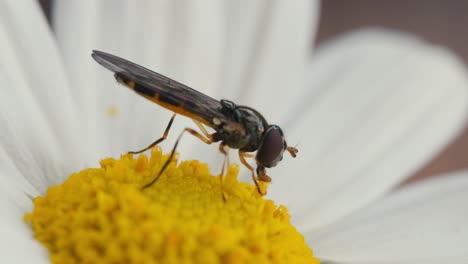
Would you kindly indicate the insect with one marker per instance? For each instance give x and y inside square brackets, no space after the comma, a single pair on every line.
[238,127]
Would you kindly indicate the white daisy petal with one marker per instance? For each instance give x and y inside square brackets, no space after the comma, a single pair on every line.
[17,241]
[380,105]
[20,136]
[423,223]
[29,121]
[36,58]
[15,199]
[13,186]
[29,90]
[268,45]
[78,27]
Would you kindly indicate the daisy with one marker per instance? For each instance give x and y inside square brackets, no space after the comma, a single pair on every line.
[374,107]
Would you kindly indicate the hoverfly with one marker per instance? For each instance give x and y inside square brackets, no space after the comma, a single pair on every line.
[238,127]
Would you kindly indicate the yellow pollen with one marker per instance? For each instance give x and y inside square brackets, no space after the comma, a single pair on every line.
[101,215]
[112,111]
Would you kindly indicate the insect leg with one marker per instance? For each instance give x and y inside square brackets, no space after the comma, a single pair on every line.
[248,155]
[202,128]
[164,136]
[242,156]
[222,149]
[261,172]
[191,131]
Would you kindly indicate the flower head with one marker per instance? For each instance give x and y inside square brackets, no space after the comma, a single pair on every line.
[104,216]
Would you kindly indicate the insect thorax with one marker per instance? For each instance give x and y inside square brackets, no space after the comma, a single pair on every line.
[246,130]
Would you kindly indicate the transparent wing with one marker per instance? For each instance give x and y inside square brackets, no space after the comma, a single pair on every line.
[162,90]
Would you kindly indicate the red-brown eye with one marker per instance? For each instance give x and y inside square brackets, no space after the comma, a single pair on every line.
[272,147]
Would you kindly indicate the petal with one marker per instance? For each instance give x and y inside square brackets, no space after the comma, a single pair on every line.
[268,47]
[380,105]
[25,53]
[17,241]
[38,118]
[422,223]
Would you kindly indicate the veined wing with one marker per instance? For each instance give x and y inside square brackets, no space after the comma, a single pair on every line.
[162,90]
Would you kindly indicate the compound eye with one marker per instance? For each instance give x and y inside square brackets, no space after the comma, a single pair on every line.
[272,147]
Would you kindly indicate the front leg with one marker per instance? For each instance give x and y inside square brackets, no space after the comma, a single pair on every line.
[242,156]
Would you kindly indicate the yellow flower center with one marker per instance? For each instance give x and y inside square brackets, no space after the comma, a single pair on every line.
[102,215]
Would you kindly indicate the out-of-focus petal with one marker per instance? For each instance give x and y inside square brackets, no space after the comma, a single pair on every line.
[38,124]
[17,241]
[422,223]
[37,116]
[34,90]
[268,46]
[183,40]
[380,105]
[15,187]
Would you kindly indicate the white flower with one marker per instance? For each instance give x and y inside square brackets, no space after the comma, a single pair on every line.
[374,107]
